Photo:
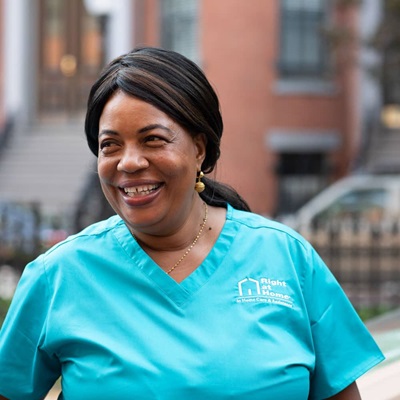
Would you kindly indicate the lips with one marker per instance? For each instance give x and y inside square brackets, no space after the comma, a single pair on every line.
[140,191]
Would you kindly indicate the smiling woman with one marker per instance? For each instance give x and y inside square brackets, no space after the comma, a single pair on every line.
[147,166]
[152,302]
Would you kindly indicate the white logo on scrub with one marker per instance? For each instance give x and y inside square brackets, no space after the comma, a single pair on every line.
[264,290]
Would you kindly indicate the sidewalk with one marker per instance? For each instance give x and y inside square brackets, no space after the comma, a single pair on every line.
[53,394]
[383,381]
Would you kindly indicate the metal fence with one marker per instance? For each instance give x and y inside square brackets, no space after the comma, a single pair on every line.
[365,259]
[20,233]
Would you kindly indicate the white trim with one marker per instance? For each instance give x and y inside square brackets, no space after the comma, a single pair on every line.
[283,140]
[14,63]
[20,59]
[305,86]
[98,7]
[120,29]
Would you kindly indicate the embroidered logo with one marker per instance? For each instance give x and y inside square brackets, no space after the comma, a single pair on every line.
[264,290]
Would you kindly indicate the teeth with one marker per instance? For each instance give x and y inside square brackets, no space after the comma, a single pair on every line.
[139,190]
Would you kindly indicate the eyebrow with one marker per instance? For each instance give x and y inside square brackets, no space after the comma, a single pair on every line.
[107,132]
[142,130]
[154,126]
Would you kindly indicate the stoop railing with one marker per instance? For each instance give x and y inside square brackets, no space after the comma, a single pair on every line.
[365,259]
[20,233]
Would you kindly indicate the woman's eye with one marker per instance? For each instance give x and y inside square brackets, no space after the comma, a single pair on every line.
[106,145]
[154,139]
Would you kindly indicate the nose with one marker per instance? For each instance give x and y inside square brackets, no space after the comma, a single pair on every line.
[132,160]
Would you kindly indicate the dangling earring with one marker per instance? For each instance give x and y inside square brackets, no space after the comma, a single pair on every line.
[199,186]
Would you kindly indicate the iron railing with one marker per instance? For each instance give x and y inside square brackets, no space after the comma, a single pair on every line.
[365,259]
[20,233]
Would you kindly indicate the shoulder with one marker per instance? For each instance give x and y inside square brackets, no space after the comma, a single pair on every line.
[277,250]
[258,224]
[265,238]
[93,233]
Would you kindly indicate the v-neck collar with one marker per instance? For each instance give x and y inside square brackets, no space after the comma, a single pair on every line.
[181,292]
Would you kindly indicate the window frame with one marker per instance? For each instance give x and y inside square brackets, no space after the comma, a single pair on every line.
[303,68]
[177,16]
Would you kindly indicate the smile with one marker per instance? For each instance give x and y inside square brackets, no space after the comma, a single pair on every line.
[138,191]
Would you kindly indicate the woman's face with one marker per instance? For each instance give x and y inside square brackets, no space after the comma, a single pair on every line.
[147,165]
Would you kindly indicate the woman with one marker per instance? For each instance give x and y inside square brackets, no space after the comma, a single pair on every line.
[185,294]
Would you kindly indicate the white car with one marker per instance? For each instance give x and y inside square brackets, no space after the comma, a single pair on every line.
[369,198]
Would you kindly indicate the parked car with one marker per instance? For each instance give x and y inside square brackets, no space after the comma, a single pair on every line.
[367,198]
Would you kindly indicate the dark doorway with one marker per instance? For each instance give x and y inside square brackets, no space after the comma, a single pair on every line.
[300,176]
[71,56]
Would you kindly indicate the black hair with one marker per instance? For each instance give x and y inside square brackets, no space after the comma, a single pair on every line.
[178,87]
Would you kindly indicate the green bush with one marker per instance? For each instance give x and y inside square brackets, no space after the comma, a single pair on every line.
[4,305]
[367,313]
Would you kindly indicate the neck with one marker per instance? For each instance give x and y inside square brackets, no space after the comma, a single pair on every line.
[178,238]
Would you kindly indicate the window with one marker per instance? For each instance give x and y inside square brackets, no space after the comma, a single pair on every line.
[390,75]
[301,176]
[303,47]
[179,27]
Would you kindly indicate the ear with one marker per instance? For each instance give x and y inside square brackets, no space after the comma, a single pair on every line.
[200,142]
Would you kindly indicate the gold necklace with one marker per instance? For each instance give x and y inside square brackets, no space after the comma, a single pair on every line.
[194,241]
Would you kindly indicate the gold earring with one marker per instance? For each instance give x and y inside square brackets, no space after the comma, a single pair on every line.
[199,186]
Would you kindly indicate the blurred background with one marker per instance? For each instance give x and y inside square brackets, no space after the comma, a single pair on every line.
[310,96]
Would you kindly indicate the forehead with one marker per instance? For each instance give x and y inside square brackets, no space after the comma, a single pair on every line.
[124,114]
[120,103]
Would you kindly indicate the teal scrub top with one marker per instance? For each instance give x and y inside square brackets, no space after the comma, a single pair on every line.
[261,318]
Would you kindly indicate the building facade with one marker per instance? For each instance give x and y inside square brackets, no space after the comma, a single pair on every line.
[289,100]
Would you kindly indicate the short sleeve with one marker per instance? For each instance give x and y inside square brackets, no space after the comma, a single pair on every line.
[344,349]
[26,370]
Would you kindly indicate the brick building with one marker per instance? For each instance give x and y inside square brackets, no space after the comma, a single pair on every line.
[289,103]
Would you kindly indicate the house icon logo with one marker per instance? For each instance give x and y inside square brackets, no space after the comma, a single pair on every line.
[264,290]
[249,287]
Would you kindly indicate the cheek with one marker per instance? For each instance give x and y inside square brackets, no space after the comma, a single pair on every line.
[104,169]
[181,173]
[182,163]
[109,194]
